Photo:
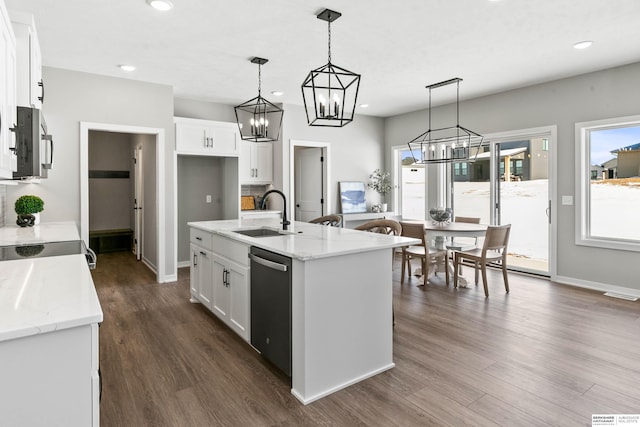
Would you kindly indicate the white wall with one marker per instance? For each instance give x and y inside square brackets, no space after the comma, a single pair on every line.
[604,94]
[356,150]
[73,97]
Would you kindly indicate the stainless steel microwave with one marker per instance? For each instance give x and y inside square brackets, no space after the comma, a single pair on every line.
[34,145]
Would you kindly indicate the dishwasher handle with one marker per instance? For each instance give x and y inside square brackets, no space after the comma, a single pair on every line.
[267,263]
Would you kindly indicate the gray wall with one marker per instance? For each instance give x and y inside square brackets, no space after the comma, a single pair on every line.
[203,110]
[110,198]
[198,176]
[600,95]
[73,97]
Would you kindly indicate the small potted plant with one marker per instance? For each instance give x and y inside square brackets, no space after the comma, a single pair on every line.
[380,183]
[28,208]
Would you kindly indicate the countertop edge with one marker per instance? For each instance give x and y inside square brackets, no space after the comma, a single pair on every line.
[263,242]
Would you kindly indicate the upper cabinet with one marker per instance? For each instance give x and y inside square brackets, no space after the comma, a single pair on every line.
[8,109]
[206,137]
[256,162]
[30,86]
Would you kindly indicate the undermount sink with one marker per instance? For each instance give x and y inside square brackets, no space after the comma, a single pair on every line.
[260,232]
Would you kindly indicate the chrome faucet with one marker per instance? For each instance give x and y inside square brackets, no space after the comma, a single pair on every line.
[285,223]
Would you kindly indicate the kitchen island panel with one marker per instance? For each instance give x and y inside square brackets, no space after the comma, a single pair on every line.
[342,322]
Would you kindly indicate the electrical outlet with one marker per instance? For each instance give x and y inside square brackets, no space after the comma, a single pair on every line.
[208,198]
[567,200]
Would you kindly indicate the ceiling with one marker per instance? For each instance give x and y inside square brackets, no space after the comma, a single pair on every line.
[202,47]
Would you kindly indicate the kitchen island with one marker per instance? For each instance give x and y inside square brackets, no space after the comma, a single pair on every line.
[341,296]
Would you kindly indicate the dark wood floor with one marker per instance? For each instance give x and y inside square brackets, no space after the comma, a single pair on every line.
[544,355]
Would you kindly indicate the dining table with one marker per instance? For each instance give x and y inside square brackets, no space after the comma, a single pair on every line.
[443,234]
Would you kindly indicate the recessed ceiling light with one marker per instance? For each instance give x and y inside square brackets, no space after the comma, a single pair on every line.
[364,105]
[583,45]
[277,93]
[125,67]
[162,5]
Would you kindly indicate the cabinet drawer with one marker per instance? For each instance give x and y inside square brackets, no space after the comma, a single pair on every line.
[232,250]
[200,238]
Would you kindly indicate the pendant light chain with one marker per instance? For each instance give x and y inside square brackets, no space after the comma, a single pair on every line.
[259,79]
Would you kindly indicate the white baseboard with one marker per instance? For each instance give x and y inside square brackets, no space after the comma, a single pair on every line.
[596,286]
[184,264]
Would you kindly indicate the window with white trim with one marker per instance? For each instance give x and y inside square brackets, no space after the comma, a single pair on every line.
[608,183]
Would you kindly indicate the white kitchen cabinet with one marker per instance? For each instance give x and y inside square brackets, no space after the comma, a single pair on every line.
[8,160]
[206,137]
[30,86]
[201,275]
[201,271]
[231,294]
[219,278]
[256,162]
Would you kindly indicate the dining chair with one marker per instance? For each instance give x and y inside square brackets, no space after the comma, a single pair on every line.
[463,243]
[330,220]
[384,226]
[493,251]
[427,256]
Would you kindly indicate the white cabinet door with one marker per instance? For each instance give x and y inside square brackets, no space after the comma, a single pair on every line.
[201,275]
[256,162]
[238,279]
[205,279]
[7,95]
[221,295]
[231,294]
[205,137]
[223,139]
[194,273]
[263,160]
[30,91]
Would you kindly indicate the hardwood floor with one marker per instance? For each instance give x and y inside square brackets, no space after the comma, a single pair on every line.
[543,355]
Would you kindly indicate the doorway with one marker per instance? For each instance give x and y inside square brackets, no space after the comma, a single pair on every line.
[152,241]
[309,189]
[512,182]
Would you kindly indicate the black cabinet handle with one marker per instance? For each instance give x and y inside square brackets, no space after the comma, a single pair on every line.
[41,84]
[195,259]
[198,238]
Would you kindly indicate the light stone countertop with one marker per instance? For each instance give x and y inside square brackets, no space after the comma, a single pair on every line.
[305,241]
[41,295]
[44,232]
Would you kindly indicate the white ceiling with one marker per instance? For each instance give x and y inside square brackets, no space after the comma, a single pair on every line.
[202,47]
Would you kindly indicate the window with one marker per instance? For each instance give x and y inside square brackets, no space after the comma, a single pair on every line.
[545,144]
[516,167]
[608,185]
[460,169]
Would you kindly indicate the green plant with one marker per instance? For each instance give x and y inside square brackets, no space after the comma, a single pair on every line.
[380,182]
[29,204]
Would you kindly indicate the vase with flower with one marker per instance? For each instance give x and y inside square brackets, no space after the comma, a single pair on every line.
[380,183]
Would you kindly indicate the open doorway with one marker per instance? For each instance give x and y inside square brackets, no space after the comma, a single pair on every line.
[309,189]
[121,192]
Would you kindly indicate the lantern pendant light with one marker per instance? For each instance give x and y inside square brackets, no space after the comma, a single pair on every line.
[330,92]
[258,119]
[446,144]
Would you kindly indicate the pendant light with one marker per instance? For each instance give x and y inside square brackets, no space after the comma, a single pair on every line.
[258,119]
[330,92]
[447,144]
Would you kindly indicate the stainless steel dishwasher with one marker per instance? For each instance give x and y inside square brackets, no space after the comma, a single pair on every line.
[271,306]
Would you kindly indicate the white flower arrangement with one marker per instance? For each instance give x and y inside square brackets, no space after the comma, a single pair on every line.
[380,182]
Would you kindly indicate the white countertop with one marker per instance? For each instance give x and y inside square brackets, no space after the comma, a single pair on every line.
[41,295]
[305,241]
[45,232]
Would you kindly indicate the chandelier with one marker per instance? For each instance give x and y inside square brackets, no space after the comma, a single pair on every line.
[258,119]
[446,144]
[330,92]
